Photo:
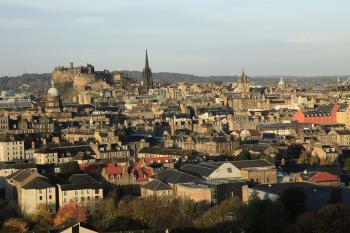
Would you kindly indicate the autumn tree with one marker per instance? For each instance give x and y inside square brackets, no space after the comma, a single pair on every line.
[105,214]
[14,225]
[227,210]
[70,212]
[334,218]
[42,218]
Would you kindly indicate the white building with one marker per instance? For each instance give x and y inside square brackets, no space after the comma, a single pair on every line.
[31,189]
[82,189]
[11,148]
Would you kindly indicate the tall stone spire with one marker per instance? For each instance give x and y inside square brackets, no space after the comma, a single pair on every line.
[147,76]
[146,63]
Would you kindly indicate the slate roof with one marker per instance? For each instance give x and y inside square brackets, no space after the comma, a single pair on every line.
[17,165]
[251,163]
[174,177]
[81,181]
[198,169]
[21,175]
[37,183]
[156,185]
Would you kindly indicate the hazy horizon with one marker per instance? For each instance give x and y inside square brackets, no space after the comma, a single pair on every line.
[203,38]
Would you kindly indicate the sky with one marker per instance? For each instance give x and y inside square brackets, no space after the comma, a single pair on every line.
[201,37]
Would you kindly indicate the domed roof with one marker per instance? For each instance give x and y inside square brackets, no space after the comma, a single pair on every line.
[281,82]
[245,133]
[52,92]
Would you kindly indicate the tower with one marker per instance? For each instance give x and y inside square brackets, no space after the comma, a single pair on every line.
[243,84]
[281,84]
[53,99]
[147,76]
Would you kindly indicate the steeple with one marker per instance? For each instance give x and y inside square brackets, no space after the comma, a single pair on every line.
[147,76]
[146,63]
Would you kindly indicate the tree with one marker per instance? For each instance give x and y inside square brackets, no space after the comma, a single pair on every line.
[106,214]
[190,208]
[227,211]
[294,201]
[14,225]
[243,155]
[275,218]
[304,224]
[42,218]
[333,219]
[8,210]
[70,212]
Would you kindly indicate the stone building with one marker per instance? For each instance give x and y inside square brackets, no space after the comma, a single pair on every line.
[79,78]
[31,189]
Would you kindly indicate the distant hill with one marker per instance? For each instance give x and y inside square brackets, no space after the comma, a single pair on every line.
[35,83]
[178,77]
[38,83]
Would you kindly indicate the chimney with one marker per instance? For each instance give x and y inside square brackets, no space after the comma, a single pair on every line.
[283,162]
[71,65]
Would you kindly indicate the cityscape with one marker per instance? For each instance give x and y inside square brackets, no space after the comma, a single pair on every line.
[156,148]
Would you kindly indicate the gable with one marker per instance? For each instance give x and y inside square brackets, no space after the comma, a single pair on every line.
[226,170]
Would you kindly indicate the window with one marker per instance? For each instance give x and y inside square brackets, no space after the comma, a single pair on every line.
[229,170]
[97,191]
[50,196]
[76,192]
[88,191]
[65,193]
[40,198]
[76,199]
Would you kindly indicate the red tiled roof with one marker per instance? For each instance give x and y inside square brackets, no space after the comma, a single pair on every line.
[143,174]
[323,177]
[112,169]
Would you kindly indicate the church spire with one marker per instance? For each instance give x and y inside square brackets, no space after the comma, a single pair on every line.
[146,63]
[147,76]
